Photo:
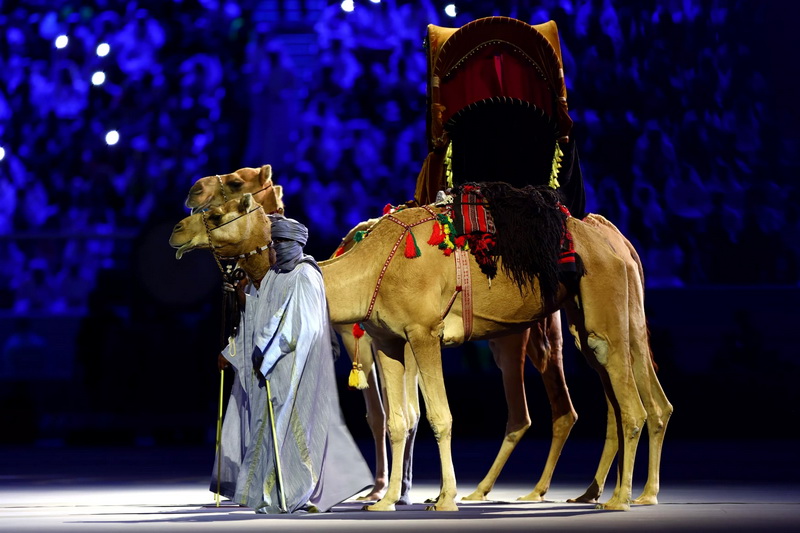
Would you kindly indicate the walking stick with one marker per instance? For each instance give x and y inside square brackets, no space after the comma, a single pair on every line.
[275,445]
[219,434]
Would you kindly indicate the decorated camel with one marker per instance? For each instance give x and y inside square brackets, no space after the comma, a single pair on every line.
[396,312]
[509,352]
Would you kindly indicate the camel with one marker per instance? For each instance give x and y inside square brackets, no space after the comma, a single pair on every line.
[216,189]
[542,344]
[407,309]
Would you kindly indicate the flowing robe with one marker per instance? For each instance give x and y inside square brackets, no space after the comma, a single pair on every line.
[284,337]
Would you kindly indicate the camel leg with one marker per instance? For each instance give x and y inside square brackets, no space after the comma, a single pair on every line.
[427,353]
[376,416]
[392,374]
[595,489]
[545,350]
[655,401]
[412,417]
[376,419]
[509,355]
[603,337]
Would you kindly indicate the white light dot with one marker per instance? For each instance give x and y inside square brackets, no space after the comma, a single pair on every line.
[112,137]
[98,78]
[450,10]
[103,49]
[348,5]
[2,153]
[62,41]
[375,1]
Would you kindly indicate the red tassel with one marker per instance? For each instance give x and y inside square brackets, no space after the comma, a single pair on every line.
[412,250]
[358,331]
[339,251]
[437,236]
[460,241]
[387,208]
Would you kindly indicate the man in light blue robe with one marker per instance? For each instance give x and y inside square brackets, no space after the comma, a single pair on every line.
[284,337]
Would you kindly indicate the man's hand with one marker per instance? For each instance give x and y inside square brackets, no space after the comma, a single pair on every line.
[222,363]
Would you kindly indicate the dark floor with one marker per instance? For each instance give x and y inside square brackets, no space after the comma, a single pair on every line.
[706,486]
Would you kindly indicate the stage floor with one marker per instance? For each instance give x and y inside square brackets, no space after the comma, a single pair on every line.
[100,490]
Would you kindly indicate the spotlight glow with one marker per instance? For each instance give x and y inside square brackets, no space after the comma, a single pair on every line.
[375,1]
[103,49]
[62,41]
[2,153]
[450,10]
[112,137]
[98,78]
[348,5]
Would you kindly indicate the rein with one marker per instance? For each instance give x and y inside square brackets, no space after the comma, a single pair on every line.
[231,275]
[406,228]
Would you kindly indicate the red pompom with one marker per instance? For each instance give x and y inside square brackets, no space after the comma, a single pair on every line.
[412,250]
[387,208]
[437,235]
[358,331]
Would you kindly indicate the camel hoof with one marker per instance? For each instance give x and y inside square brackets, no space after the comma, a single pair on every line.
[476,496]
[613,506]
[645,500]
[379,507]
[442,507]
[532,497]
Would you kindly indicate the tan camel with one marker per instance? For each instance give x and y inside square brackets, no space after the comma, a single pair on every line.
[407,308]
[542,344]
[213,190]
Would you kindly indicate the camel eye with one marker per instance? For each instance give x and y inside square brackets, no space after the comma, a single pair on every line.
[235,185]
[215,218]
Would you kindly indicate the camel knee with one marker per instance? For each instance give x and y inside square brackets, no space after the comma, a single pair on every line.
[442,426]
[599,347]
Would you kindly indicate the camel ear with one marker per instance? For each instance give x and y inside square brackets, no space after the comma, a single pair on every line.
[246,203]
[278,198]
[265,175]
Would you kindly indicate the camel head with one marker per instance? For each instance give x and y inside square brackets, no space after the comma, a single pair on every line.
[216,190]
[236,227]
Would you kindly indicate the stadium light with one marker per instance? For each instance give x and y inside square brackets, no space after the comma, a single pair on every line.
[112,137]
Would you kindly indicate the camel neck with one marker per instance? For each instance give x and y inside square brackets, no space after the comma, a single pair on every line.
[256,268]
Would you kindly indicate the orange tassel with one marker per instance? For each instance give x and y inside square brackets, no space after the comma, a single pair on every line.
[412,250]
[437,237]
[339,251]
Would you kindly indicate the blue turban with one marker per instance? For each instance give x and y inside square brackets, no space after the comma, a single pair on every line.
[290,252]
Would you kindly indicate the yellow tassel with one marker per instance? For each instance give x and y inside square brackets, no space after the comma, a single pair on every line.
[556,166]
[357,378]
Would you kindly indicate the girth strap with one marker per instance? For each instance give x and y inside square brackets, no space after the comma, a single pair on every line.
[463,286]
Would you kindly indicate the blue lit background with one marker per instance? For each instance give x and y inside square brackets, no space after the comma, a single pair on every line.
[685,114]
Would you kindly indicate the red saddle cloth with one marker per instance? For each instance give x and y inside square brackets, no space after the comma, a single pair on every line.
[473,220]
